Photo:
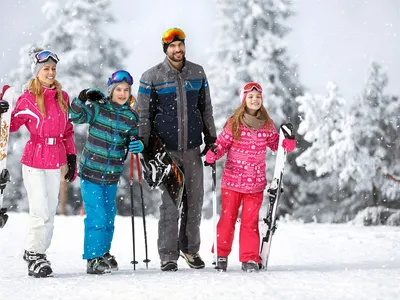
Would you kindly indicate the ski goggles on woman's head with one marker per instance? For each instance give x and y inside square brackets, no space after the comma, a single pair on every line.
[251,86]
[44,56]
[120,76]
[170,34]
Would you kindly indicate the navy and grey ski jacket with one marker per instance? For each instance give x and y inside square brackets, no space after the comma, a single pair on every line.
[176,105]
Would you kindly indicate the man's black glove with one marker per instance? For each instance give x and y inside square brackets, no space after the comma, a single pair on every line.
[210,143]
[71,173]
[4,106]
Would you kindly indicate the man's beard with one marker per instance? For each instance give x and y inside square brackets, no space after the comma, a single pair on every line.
[171,57]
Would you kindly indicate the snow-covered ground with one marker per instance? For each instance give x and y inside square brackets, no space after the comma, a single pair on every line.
[308,261]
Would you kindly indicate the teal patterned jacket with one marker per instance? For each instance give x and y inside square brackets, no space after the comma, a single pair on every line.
[110,128]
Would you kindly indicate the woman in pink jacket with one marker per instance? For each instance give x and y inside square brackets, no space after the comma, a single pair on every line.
[245,137]
[43,109]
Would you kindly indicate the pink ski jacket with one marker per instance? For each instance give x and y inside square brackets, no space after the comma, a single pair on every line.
[245,166]
[51,136]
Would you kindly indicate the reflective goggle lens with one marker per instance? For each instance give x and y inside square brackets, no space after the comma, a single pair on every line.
[120,76]
[251,86]
[170,34]
[44,56]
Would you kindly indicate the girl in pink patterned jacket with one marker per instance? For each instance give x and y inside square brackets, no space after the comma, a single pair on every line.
[245,138]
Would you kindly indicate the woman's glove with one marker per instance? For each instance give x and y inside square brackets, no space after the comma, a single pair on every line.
[136,146]
[289,144]
[72,170]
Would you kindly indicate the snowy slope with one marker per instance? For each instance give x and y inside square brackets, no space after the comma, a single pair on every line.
[308,261]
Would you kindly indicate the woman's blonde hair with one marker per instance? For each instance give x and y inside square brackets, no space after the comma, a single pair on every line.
[35,87]
[235,120]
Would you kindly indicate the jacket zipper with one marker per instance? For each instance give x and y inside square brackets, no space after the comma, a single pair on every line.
[111,146]
[180,102]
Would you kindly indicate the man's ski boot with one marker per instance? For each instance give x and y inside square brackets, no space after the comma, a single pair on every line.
[38,265]
[170,265]
[193,260]
[222,263]
[250,266]
[111,261]
[97,266]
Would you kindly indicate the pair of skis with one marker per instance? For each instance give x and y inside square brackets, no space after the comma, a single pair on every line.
[274,192]
[4,136]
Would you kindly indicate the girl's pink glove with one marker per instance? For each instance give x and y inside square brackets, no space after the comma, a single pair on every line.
[210,157]
[289,144]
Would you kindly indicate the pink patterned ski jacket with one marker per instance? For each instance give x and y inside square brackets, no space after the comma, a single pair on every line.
[245,166]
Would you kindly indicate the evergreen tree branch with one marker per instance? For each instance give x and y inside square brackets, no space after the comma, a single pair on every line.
[389,176]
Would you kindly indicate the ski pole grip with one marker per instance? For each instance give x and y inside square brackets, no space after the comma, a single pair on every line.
[135,138]
[288,130]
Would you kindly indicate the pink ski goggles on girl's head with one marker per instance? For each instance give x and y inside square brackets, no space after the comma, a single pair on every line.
[252,86]
[44,56]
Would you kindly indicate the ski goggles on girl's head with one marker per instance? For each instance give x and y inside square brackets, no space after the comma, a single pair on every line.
[120,76]
[44,56]
[251,86]
[170,34]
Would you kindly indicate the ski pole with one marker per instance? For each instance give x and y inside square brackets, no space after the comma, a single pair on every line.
[82,212]
[214,192]
[214,203]
[4,178]
[147,260]
[134,262]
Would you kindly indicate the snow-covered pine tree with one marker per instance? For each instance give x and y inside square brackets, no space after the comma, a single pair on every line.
[249,46]
[325,125]
[88,55]
[354,145]
[377,132]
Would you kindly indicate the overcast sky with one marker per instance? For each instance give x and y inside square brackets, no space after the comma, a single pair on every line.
[330,39]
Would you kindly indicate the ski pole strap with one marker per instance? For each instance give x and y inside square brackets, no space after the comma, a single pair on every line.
[214,148]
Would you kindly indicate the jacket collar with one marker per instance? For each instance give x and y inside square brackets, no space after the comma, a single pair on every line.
[46,91]
[117,106]
[166,63]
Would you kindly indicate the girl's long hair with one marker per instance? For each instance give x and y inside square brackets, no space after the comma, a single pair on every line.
[234,121]
[35,87]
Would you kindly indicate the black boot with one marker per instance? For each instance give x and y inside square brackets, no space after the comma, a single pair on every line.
[111,261]
[169,265]
[250,266]
[222,263]
[38,265]
[97,266]
[193,260]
